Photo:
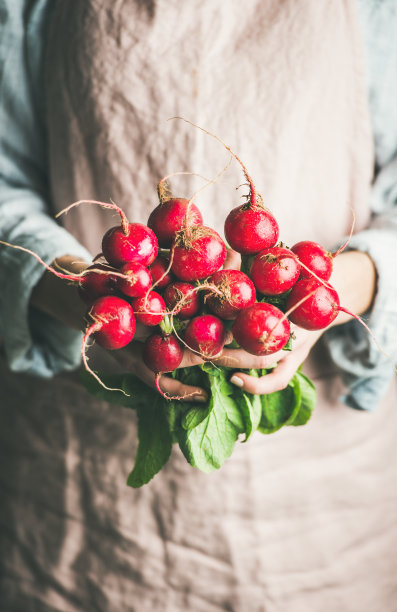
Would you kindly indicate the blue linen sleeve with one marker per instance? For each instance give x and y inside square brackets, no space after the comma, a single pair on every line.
[32,341]
[365,368]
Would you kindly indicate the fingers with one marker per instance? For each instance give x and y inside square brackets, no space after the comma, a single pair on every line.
[142,332]
[238,358]
[175,389]
[190,359]
[276,380]
[229,338]
[232,261]
[131,359]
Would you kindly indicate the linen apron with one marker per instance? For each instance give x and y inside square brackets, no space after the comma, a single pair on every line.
[302,520]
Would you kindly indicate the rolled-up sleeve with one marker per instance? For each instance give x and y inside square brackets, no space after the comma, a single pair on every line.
[366,367]
[32,341]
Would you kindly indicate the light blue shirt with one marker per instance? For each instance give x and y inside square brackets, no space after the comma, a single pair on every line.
[33,342]
[36,343]
[366,370]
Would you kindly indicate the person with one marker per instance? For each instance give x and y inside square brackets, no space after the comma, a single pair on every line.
[295,520]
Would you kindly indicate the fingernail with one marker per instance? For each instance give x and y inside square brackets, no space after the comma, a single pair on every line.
[237,381]
[229,337]
[200,397]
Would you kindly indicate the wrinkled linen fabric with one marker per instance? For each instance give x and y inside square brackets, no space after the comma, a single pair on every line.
[300,520]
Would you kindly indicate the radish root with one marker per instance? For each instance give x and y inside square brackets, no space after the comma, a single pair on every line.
[344,245]
[84,345]
[71,277]
[285,316]
[111,205]
[371,333]
[163,189]
[252,194]
[210,182]
[164,273]
[173,397]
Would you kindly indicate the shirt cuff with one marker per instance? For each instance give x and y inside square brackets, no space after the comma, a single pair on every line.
[366,370]
[35,342]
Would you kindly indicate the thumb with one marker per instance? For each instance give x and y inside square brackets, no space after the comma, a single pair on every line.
[232,261]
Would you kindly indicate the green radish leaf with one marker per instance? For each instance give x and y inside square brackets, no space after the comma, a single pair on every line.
[308,400]
[155,442]
[294,383]
[208,444]
[193,417]
[289,345]
[233,345]
[114,381]
[174,410]
[154,417]
[280,408]
[280,301]
[211,369]
[206,434]
[251,409]
[250,406]
[246,263]
[179,325]
[138,390]
[194,376]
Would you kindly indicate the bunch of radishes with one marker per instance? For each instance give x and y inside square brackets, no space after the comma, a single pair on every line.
[167,276]
[182,292]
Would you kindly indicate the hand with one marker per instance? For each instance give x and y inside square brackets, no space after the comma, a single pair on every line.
[59,298]
[130,358]
[62,301]
[354,277]
[287,362]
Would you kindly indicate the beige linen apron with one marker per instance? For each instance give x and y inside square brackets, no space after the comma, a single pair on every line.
[300,521]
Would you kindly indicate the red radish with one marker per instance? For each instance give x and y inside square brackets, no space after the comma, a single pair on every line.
[250,228]
[197,252]
[313,256]
[125,242]
[113,322]
[205,335]
[237,292]
[158,270]
[275,270]
[261,329]
[162,353]
[137,243]
[137,281]
[149,309]
[320,307]
[182,299]
[170,216]
[97,281]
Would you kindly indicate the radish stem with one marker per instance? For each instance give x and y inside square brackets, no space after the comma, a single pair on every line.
[111,205]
